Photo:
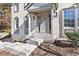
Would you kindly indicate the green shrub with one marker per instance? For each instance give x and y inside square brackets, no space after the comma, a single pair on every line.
[74,37]
[7,30]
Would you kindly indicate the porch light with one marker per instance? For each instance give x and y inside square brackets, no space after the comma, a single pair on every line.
[76,5]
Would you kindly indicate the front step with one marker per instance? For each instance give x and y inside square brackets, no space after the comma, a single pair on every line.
[45,36]
[35,41]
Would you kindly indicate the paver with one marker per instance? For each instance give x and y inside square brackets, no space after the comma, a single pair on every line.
[20,49]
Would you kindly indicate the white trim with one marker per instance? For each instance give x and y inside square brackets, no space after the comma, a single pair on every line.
[77,27]
[69,27]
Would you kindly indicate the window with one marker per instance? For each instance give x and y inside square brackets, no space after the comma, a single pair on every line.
[16,7]
[26,25]
[49,23]
[17,25]
[69,17]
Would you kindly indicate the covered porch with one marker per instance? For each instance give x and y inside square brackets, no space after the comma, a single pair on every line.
[40,24]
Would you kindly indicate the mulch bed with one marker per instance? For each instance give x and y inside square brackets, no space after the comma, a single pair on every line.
[5,53]
[58,48]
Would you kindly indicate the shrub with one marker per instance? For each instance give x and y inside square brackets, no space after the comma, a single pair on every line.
[7,30]
[74,37]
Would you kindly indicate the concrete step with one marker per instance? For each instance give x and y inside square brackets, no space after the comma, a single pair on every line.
[45,36]
[35,41]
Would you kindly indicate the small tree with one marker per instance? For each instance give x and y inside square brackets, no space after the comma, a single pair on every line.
[4,6]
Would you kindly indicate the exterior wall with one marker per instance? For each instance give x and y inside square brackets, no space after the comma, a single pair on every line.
[68,29]
[21,14]
[57,22]
[61,18]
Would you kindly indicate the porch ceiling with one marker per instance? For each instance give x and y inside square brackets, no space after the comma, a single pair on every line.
[40,9]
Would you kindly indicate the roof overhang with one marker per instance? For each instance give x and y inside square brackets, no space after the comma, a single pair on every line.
[38,9]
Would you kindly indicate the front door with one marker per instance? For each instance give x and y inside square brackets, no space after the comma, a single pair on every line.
[43,23]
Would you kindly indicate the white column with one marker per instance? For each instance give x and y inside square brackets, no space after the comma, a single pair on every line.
[29,23]
[52,22]
[36,23]
[54,25]
[76,20]
[62,21]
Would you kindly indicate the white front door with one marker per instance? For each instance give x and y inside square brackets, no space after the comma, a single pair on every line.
[43,23]
[33,22]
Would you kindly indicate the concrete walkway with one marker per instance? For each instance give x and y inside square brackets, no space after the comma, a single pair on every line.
[21,49]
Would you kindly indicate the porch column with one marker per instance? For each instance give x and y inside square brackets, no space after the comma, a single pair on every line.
[62,23]
[54,24]
[36,23]
[29,23]
[76,20]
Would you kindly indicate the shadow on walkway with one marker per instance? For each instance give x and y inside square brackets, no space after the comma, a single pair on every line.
[7,40]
